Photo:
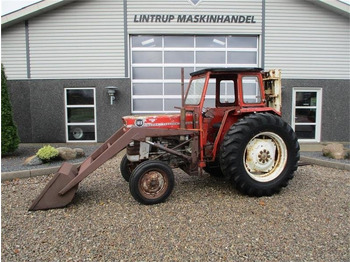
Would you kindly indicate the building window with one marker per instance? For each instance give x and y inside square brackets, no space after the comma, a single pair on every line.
[157,61]
[306,114]
[80,115]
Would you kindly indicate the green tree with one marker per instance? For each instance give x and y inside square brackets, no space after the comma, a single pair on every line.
[9,134]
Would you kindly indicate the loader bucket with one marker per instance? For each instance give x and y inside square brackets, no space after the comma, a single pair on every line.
[50,197]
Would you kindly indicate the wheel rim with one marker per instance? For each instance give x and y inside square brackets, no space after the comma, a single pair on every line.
[265,157]
[153,184]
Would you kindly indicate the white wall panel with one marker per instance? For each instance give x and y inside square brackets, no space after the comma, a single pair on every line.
[184,7]
[84,39]
[13,52]
[306,40]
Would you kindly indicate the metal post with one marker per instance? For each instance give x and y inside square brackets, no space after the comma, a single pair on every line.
[183,111]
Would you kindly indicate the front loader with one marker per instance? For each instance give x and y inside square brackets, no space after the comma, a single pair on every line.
[229,125]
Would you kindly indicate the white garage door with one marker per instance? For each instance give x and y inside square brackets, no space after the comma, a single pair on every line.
[156,63]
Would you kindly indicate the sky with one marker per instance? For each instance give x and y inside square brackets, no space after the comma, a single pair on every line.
[8,6]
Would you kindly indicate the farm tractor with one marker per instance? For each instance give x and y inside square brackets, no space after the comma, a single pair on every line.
[229,125]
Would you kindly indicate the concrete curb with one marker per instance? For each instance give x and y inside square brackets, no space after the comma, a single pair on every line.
[325,163]
[6,176]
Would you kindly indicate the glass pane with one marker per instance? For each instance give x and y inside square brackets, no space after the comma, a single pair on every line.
[80,96]
[179,57]
[175,72]
[146,57]
[209,102]
[211,87]
[147,41]
[305,98]
[147,73]
[178,41]
[210,57]
[305,132]
[227,91]
[251,90]
[210,41]
[172,89]
[80,115]
[241,57]
[195,92]
[77,132]
[305,116]
[148,104]
[147,89]
[169,104]
[242,42]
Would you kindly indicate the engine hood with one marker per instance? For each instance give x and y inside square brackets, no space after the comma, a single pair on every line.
[171,121]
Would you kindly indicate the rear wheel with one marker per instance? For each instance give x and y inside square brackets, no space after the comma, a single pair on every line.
[151,182]
[260,154]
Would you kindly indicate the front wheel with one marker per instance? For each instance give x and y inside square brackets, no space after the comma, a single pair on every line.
[151,182]
[126,168]
[260,154]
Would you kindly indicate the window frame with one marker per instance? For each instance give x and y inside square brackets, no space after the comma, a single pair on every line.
[67,124]
[318,108]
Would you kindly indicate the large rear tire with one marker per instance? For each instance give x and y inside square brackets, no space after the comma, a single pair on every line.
[259,154]
[151,182]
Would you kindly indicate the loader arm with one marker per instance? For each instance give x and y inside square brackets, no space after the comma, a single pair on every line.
[60,191]
[113,146]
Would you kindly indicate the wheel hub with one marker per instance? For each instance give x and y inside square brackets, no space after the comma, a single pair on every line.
[260,156]
[264,156]
[152,182]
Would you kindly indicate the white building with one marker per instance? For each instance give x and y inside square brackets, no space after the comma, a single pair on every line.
[59,56]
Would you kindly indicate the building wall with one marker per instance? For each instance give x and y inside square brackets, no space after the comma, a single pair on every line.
[336,105]
[306,41]
[83,39]
[13,51]
[87,40]
[39,110]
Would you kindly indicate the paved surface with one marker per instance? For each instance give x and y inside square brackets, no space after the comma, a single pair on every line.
[204,219]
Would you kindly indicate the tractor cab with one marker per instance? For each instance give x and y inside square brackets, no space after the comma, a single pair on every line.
[217,97]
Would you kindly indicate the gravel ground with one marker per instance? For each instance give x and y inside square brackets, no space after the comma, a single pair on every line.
[203,220]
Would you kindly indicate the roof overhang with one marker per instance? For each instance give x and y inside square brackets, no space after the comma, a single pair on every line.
[47,5]
[333,5]
[31,11]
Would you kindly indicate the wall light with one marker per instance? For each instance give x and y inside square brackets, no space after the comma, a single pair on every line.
[111,92]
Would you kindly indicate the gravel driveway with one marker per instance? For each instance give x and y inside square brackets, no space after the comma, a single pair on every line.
[203,220]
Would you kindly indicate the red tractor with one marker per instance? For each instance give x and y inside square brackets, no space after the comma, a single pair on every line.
[229,125]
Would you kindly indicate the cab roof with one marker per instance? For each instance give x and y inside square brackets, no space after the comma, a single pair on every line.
[226,70]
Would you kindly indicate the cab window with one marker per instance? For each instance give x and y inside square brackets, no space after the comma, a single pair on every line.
[227,92]
[251,90]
